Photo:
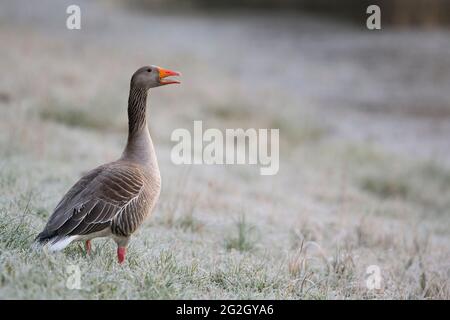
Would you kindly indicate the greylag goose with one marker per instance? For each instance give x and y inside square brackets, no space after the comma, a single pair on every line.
[113,199]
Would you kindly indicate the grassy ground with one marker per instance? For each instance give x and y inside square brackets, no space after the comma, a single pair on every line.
[364,178]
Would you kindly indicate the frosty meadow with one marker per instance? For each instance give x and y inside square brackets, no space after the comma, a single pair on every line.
[239,146]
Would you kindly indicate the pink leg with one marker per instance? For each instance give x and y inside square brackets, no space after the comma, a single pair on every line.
[121,251]
[88,246]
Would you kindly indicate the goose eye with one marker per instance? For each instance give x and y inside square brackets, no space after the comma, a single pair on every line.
[149,70]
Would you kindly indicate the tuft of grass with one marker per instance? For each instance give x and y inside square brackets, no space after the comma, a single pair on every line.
[367,236]
[74,118]
[186,221]
[435,286]
[16,232]
[229,112]
[179,209]
[244,238]
[297,263]
[437,174]
[241,278]
[424,184]
[305,231]
[189,222]
[386,186]
[343,265]
[297,133]
[96,115]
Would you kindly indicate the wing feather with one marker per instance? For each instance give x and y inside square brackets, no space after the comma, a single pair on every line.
[95,200]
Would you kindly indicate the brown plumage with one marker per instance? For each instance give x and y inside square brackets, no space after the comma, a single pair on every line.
[113,200]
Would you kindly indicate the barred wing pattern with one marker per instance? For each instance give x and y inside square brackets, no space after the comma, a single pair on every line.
[112,195]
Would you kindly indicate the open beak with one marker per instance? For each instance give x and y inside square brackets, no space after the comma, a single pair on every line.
[164,73]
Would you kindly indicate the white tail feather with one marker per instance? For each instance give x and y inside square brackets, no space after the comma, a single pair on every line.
[61,243]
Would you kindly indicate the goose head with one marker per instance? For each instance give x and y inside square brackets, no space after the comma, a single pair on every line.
[153,76]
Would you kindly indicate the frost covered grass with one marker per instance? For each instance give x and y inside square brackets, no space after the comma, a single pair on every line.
[340,203]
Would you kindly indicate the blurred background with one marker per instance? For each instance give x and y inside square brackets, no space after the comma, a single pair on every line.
[364,119]
[411,13]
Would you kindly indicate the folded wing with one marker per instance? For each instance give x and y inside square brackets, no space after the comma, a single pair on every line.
[98,198]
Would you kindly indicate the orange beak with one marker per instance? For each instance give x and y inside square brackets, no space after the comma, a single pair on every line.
[164,73]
